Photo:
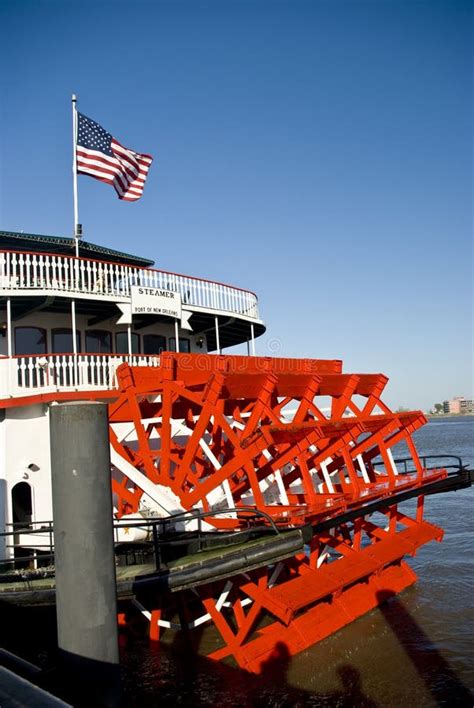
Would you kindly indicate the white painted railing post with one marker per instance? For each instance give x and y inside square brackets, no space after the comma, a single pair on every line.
[56,372]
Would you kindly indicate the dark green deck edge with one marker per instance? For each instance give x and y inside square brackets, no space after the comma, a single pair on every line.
[188,572]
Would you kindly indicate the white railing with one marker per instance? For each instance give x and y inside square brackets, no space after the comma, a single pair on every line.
[39,271]
[26,375]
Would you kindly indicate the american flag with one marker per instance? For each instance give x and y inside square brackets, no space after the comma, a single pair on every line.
[100,155]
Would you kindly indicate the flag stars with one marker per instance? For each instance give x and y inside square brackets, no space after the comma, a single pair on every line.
[99,155]
[93,137]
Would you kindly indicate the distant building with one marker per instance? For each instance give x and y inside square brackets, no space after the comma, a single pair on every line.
[467,406]
[459,406]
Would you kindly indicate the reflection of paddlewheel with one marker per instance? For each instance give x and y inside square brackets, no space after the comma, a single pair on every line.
[297,439]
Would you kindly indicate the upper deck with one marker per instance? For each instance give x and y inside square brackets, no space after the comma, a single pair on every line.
[44,285]
[29,272]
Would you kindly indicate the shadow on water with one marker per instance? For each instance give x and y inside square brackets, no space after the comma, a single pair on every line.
[175,675]
[275,671]
[441,681]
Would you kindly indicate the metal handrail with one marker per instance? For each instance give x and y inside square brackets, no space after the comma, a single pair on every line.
[198,513]
[153,523]
[188,515]
[423,458]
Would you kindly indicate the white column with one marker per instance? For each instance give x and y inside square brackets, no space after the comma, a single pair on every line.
[218,341]
[248,347]
[74,339]
[129,337]
[9,328]
[176,334]
[5,512]
[253,339]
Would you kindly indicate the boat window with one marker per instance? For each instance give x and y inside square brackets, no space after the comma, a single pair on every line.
[62,342]
[98,341]
[154,343]
[121,343]
[184,345]
[30,340]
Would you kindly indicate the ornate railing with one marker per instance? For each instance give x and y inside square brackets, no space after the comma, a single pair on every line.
[42,271]
[26,375]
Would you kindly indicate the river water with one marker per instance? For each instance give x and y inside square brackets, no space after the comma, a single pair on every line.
[417,650]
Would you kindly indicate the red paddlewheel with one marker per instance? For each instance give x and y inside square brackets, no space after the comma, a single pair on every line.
[287,607]
[297,439]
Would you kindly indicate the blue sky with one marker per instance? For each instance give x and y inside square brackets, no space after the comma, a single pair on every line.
[319,153]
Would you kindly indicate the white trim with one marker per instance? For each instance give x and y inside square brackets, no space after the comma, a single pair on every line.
[392,462]
[326,475]
[363,469]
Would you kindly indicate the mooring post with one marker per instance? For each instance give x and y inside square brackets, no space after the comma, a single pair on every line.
[86,603]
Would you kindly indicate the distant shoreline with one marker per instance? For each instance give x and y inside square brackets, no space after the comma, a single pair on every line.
[449,415]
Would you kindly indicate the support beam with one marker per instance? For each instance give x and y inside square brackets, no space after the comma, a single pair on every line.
[218,342]
[74,339]
[176,335]
[129,342]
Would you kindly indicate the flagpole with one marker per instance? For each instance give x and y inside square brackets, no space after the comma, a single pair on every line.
[76,235]
[74,173]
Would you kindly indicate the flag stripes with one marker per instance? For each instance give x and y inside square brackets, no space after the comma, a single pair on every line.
[101,156]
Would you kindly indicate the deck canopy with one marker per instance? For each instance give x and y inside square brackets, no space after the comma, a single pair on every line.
[37,243]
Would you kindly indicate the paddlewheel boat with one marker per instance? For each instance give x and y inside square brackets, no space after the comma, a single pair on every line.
[266,489]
